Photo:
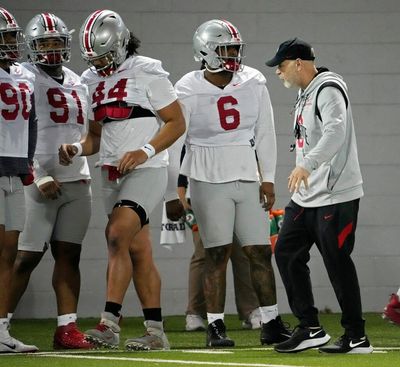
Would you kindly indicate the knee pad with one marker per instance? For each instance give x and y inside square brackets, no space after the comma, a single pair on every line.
[138,209]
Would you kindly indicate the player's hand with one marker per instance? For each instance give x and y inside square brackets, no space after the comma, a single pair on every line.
[50,190]
[174,209]
[296,177]
[65,154]
[131,160]
[267,195]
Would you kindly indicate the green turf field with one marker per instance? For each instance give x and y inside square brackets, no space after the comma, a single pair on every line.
[188,348]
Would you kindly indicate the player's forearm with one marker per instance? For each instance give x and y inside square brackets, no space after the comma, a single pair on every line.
[173,128]
[91,142]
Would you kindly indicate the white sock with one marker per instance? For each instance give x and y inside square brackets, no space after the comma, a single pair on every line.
[398,293]
[4,325]
[9,316]
[66,319]
[268,313]
[211,317]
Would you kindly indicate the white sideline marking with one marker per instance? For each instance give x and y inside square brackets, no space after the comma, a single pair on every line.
[156,360]
[199,351]
[221,351]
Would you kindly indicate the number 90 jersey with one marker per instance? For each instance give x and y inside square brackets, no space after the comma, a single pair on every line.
[226,126]
[16,90]
[62,113]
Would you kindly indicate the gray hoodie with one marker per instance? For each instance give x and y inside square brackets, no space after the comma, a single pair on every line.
[327,148]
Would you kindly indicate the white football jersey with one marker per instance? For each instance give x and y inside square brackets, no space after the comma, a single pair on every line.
[62,113]
[16,90]
[226,127]
[139,81]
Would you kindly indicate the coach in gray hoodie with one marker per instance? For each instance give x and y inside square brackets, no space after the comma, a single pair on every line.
[326,185]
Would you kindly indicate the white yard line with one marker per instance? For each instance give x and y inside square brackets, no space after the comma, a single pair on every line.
[158,360]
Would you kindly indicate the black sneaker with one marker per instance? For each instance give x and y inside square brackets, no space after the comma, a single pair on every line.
[349,345]
[274,331]
[216,336]
[303,338]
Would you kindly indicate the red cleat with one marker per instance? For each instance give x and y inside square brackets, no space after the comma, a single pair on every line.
[392,310]
[70,337]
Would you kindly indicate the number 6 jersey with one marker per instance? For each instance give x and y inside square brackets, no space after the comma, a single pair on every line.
[61,110]
[226,126]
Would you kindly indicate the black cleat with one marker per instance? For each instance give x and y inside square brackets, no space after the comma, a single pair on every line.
[274,331]
[216,336]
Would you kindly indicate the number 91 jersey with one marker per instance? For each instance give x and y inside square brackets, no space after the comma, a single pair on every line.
[61,109]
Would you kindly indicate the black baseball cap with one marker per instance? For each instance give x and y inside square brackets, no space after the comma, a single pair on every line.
[292,49]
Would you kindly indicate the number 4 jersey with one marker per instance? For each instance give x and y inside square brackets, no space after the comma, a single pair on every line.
[62,110]
[226,126]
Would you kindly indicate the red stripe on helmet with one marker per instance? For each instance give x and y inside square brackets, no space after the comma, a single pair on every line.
[9,18]
[232,29]
[88,27]
[49,22]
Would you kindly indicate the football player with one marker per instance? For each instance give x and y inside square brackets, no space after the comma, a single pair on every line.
[135,116]
[58,205]
[17,147]
[230,122]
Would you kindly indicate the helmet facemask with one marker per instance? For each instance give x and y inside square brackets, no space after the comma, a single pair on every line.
[213,42]
[11,44]
[104,65]
[227,62]
[48,40]
[42,50]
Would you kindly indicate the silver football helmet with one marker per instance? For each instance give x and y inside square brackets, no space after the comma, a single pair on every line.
[42,33]
[103,40]
[11,37]
[211,42]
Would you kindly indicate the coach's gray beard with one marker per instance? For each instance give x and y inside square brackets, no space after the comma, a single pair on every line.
[287,84]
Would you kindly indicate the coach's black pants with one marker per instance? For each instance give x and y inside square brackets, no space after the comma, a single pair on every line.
[332,229]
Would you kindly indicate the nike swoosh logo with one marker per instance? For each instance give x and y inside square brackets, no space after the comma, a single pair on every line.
[314,334]
[9,346]
[353,345]
[329,216]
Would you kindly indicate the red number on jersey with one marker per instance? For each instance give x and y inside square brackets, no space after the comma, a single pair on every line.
[98,94]
[57,100]
[79,118]
[118,91]
[24,89]
[228,117]
[9,96]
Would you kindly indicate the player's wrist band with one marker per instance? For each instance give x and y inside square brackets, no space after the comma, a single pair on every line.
[149,150]
[79,147]
[42,180]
